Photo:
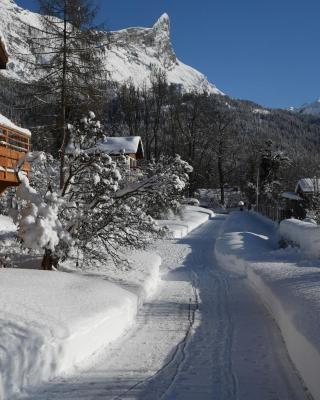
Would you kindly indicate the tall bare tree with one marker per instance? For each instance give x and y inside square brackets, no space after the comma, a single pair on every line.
[69,55]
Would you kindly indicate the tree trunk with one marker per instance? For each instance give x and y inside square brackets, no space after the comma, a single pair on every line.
[221,179]
[63,101]
[47,261]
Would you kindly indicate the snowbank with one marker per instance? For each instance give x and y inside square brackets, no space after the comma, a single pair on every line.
[7,225]
[288,285]
[141,276]
[192,217]
[50,322]
[304,234]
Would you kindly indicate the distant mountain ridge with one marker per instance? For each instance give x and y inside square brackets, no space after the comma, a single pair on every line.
[129,56]
[308,108]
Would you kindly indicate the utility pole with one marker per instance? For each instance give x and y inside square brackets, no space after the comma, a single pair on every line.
[257,189]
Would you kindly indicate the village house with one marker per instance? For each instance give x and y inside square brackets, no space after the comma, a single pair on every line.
[14,142]
[296,203]
[115,147]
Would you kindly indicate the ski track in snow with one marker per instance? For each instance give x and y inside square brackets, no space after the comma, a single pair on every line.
[205,335]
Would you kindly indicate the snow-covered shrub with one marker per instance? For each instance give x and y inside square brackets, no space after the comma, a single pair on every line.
[37,218]
[84,217]
[167,180]
[272,160]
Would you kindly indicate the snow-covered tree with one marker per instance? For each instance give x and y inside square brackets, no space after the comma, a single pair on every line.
[99,210]
[272,160]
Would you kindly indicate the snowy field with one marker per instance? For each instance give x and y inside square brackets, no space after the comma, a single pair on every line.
[287,280]
[55,321]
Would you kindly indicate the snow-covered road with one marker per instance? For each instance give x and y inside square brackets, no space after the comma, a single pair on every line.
[205,335]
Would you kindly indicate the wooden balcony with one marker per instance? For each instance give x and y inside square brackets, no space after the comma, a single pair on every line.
[13,145]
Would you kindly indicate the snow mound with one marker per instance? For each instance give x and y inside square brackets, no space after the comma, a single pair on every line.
[51,322]
[6,225]
[304,234]
[192,217]
[287,284]
[141,276]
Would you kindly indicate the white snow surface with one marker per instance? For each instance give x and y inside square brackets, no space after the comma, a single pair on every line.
[205,335]
[4,121]
[287,282]
[191,218]
[291,196]
[306,235]
[261,111]
[129,53]
[54,321]
[51,322]
[140,276]
[6,224]
[119,145]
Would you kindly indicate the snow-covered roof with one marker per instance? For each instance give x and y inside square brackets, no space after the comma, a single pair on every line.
[308,185]
[121,145]
[4,121]
[291,196]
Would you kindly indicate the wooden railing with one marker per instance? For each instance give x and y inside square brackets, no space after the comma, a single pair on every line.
[13,139]
[271,211]
[13,144]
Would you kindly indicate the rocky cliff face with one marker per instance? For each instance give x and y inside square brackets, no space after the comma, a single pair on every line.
[130,55]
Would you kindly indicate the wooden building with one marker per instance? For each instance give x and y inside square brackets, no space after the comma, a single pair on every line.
[14,143]
[115,147]
[307,188]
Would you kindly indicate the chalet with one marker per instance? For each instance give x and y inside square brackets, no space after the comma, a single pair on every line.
[14,143]
[131,146]
[307,187]
[3,55]
[296,203]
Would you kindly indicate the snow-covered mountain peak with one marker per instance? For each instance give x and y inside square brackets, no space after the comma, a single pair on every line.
[162,27]
[130,54]
[163,23]
[308,108]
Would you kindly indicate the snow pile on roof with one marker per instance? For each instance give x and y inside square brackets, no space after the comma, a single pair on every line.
[4,121]
[291,196]
[192,217]
[53,321]
[309,185]
[120,145]
[304,234]
[288,284]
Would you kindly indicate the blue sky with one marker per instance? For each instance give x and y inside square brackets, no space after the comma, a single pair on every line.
[264,51]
